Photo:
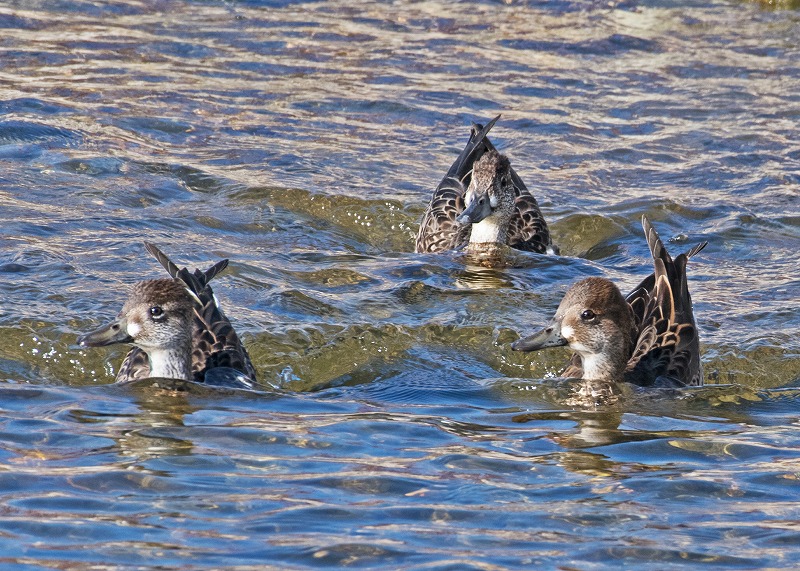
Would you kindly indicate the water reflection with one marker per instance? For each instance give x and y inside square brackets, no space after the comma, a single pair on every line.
[302,141]
[482,278]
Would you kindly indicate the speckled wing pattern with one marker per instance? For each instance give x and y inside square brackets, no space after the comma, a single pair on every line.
[528,231]
[439,230]
[215,343]
[667,351]
[135,366]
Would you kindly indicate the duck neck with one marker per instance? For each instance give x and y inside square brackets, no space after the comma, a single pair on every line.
[602,367]
[171,363]
[606,362]
[492,229]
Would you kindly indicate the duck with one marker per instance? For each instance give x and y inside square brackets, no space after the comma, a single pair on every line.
[482,202]
[648,338]
[178,331]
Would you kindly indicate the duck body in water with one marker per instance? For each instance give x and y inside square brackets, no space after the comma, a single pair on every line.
[482,203]
[178,331]
[648,338]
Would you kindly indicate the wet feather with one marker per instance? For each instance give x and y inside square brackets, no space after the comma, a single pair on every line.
[440,230]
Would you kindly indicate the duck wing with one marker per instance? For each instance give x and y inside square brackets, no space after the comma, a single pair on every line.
[135,366]
[215,342]
[439,230]
[528,230]
[667,351]
[216,345]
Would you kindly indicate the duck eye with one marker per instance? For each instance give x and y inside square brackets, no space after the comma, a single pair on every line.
[588,315]
[156,312]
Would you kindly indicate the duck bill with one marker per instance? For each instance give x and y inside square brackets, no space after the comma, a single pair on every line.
[478,209]
[114,332]
[550,336]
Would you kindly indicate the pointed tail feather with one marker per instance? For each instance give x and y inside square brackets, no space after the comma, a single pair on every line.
[217,268]
[162,258]
[196,282]
[674,270]
[479,132]
[657,249]
[476,146]
[696,249]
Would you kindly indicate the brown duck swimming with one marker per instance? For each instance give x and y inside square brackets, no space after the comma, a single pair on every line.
[649,338]
[483,201]
[178,331]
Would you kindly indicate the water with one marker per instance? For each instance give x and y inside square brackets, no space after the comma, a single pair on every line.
[302,141]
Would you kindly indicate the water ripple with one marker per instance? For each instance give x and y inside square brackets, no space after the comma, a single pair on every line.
[395,428]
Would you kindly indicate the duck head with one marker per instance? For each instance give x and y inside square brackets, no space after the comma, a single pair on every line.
[157,318]
[596,322]
[489,199]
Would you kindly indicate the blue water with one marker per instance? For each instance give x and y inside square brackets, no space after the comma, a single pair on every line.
[396,428]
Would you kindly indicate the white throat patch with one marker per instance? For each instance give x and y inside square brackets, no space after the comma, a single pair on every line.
[487,230]
[167,364]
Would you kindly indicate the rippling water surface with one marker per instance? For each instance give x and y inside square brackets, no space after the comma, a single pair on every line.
[396,428]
